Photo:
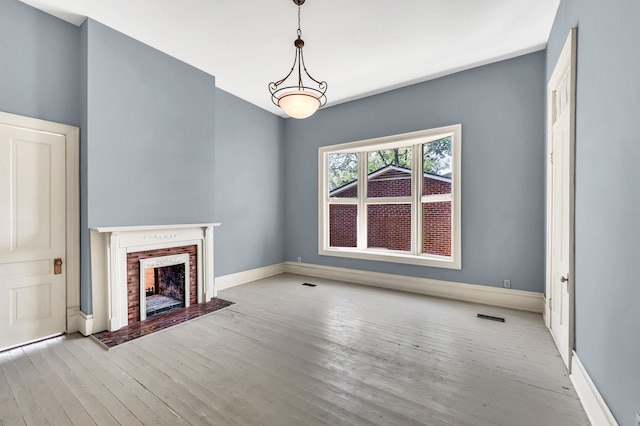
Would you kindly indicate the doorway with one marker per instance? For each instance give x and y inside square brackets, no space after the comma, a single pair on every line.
[39,253]
[560,280]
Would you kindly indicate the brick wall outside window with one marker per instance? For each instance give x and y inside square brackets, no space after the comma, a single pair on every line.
[399,187]
[389,226]
[343,230]
[436,228]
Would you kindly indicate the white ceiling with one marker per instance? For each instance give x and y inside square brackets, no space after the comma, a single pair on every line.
[360,47]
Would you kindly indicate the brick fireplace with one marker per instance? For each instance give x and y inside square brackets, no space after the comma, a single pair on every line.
[119,284]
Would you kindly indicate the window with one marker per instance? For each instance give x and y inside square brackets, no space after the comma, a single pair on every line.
[409,209]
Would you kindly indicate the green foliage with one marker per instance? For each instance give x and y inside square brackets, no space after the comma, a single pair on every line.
[436,158]
[400,157]
[343,167]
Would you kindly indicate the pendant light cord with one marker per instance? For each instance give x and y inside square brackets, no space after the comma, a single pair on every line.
[299,30]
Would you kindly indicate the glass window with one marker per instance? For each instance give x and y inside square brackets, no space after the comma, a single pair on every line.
[409,211]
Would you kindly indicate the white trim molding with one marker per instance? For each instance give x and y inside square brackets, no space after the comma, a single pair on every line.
[594,405]
[492,296]
[72,138]
[109,248]
[85,324]
[239,278]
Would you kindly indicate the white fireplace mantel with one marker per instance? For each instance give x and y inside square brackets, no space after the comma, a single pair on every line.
[109,248]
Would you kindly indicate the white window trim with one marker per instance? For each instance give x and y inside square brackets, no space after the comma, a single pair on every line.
[388,142]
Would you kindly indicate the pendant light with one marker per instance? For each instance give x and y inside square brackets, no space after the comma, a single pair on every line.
[297,99]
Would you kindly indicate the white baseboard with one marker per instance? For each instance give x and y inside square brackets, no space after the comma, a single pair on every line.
[85,324]
[232,280]
[594,405]
[493,296]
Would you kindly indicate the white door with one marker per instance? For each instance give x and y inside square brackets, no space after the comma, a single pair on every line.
[32,235]
[561,95]
[560,227]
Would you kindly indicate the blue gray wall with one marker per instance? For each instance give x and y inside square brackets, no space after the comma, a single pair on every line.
[147,138]
[39,64]
[607,315]
[500,107]
[85,239]
[41,71]
[150,132]
[148,127]
[249,186]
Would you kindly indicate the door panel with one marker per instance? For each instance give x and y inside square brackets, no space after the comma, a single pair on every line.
[31,172]
[32,235]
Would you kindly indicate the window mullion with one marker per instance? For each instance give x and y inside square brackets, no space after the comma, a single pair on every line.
[416,194]
[389,200]
[436,198]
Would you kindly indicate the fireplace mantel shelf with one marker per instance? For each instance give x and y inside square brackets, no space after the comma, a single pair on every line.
[103,229]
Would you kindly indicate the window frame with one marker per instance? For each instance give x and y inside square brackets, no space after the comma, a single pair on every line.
[361,148]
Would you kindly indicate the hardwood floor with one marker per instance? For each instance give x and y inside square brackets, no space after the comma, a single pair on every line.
[288,354]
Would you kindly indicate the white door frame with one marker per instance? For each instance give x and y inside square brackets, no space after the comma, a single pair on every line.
[566,59]
[71,136]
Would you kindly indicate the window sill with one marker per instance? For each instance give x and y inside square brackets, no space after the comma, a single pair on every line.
[394,256]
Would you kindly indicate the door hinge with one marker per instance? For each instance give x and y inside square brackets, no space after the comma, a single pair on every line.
[549,303]
[551,157]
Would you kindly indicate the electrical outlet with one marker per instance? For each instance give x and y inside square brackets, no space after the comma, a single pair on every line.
[507,283]
[299,260]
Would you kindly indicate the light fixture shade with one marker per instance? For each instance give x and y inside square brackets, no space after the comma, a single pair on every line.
[299,103]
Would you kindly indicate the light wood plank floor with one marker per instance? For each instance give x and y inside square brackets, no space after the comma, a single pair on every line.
[287,354]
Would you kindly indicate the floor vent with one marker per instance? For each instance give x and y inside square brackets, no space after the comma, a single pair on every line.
[309,285]
[492,318]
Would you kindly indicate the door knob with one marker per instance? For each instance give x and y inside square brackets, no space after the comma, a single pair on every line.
[57,266]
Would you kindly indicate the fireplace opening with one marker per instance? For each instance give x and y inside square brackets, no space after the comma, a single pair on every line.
[161,280]
[164,288]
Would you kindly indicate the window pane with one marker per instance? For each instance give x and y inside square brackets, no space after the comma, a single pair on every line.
[437,164]
[343,175]
[389,226]
[343,229]
[389,173]
[436,228]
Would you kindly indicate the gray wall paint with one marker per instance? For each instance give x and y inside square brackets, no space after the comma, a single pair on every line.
[148,138]
[39,64]
[85,237]
[150,133]
[607,316]
[249,186]
[41,71]
[500,107]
